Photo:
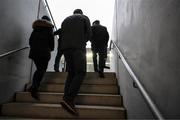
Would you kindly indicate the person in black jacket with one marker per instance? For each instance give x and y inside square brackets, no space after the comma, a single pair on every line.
[41,44]
[76,32]
[59,51]
[99,43]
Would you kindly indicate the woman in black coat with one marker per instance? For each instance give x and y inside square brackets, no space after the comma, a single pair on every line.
[41,44]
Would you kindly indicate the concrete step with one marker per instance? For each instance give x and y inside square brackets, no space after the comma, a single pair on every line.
[91,78]
[82,99]
[18,118]
[91,89]
[52,111]
[12,118]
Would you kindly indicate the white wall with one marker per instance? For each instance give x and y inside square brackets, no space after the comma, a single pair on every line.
[148,33]
[16,26]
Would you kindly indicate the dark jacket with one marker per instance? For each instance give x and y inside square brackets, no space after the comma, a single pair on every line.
[76,32]
[99,38]
[41,40]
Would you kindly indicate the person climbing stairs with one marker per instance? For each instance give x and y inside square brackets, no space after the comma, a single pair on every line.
[99,98]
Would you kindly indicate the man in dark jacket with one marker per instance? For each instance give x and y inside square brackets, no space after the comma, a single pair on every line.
[41,44]
[59,51]
[99,43]
[76,32]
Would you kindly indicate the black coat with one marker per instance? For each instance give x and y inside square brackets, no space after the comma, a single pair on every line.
[41,40]
[76,31]
[99,38]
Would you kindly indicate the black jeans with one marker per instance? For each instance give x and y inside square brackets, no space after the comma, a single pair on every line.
[41,65]
[57,59]
[76,67]
[102,61]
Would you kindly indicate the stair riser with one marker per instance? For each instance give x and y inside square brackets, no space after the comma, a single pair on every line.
[81,99]
[20,118]
[90,75]
[92,89]
[95,100]
[57,112]
[95,81]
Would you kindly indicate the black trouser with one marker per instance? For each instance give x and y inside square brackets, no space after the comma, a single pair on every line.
[95,61]
[76,67]
[102,61]
[41,65]
[57,59]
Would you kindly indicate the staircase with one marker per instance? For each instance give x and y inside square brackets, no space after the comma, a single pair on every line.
[98,99]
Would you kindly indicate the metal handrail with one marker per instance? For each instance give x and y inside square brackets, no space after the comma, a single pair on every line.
[48,8]
[151,104]
[12,52]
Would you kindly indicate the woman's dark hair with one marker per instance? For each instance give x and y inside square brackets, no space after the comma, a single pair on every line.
[77,11]
[45,17]
[96,22]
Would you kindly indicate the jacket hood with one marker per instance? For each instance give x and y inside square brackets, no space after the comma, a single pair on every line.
[42,23]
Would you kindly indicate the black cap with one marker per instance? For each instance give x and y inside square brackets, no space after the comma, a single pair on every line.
[96,22]
[45,17]
[77,11]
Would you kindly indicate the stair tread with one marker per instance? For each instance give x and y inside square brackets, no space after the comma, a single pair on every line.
[98,98]
[22,118]
[58,105]
[81,85]
[97,81]
[91,78]
[81,99]
[81,94]
[93,89]
[87,73]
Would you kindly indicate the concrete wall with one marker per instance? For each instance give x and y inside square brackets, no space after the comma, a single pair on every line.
[16,26]
[148,33]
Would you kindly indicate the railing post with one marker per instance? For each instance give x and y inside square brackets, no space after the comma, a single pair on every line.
[48,8]
[38,12]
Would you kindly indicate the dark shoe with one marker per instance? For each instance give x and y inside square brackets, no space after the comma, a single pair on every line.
[56,70]
[106,67]
[95,70]
[29,89]
[34,94]
[70,107]
[101,75]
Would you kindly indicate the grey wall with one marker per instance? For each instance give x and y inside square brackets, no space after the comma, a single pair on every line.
[16,26]
[148,33]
